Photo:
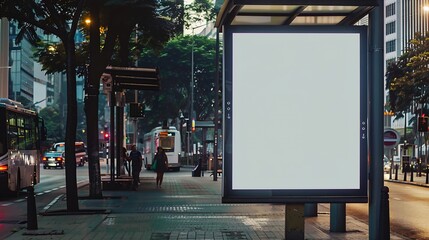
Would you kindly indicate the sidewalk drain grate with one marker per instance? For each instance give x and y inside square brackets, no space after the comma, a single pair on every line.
[234,235]
[160,236]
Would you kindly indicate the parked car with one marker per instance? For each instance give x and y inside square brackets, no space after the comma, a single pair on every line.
[53,159]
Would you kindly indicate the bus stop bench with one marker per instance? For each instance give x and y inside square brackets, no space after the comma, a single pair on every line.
[118,184]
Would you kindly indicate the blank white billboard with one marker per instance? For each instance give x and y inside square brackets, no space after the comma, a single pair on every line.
[294,118]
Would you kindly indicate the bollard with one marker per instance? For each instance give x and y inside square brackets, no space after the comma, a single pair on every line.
[405,173]
[420,169]
[427,174]
[412,175]
[396,171]
[385,216]
[31,210]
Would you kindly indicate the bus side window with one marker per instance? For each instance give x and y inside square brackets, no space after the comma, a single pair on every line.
[12,132]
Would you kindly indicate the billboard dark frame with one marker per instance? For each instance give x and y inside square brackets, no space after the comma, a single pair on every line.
[296,195]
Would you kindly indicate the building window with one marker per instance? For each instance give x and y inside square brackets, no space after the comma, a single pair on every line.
[390,10]
[390,46]
[390,28]
[390,61]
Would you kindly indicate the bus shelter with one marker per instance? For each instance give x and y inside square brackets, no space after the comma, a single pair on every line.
[306,68]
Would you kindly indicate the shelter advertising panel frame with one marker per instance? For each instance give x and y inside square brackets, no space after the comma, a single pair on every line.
[231,194]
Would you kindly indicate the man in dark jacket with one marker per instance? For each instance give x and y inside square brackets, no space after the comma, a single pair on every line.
[136,163]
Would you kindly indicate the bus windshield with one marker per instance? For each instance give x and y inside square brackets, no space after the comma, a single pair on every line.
[167,143]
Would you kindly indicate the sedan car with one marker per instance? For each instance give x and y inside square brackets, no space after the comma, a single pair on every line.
[53,159]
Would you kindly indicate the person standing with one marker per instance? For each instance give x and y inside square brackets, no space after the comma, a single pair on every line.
[136,163]
[161,165]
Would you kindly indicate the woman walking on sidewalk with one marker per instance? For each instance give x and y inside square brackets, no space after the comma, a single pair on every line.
[161,165]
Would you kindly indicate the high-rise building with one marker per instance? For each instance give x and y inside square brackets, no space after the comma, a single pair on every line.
[403,18]
[22,68]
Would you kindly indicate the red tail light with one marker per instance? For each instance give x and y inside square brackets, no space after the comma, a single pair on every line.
[3,168]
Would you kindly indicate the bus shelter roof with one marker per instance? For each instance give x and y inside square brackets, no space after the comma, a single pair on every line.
[293,12]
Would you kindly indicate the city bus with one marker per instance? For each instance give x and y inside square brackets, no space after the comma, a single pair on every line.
[21,131]
[169,140]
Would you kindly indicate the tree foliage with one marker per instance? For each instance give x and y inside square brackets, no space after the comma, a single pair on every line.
[51,115]
[61,19]
[407,79]
[175,64]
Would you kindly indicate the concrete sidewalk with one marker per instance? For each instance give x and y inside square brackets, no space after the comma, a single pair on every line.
[416,179]
[184,208]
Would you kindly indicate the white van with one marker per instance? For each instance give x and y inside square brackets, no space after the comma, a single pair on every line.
[80,151]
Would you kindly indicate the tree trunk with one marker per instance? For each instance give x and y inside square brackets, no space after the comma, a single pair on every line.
[70,162]
[91,106]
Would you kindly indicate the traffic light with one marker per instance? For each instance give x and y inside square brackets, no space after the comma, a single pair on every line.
[136,110]
[422,124]
[106,136]
[193,125]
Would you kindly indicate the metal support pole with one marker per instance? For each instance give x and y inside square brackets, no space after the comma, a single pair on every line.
[112,136]
[205,158]
[294,221]
[119,132]
[338,217]
[310,210]
[188,151]
[216,109]
[405,172]
[391,163]
[427,174]
[396,171]
[412,174]
[119,137]
[376,109]
[31,209]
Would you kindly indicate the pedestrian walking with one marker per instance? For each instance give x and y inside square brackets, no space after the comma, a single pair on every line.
[161,165]
[125,160]
[136,163]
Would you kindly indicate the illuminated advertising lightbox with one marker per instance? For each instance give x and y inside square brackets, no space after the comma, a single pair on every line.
[295,114]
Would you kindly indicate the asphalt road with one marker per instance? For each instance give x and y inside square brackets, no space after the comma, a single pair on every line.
[13,210]
[409,210]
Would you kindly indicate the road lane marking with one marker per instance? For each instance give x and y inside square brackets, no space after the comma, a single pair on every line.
[52,202]
[39,194]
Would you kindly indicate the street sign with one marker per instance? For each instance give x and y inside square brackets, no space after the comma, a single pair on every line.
[391,138]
